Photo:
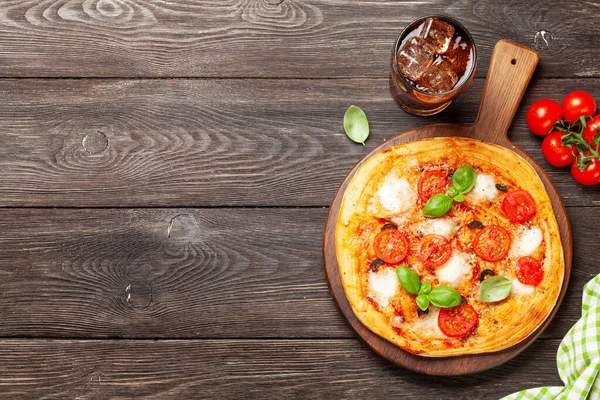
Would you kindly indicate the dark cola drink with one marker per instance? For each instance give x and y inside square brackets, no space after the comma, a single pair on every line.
[433,60]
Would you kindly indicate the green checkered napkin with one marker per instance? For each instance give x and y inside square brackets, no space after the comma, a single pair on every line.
[578,358]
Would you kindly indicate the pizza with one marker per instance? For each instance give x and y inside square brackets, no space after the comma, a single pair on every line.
[449,246]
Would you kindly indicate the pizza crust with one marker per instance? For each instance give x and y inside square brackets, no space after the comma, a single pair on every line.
[501,325]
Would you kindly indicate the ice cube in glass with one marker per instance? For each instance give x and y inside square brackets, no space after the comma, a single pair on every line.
[415,57]
[439,77]
[438,34]
[459,55]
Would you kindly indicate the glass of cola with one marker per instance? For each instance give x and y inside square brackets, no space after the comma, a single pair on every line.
[433,60]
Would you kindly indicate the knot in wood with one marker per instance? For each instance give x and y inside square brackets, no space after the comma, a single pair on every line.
[543,39]
[95,142]
[109,8]
[139,294]
[183,227]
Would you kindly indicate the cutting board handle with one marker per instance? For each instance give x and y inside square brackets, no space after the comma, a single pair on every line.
[511,68]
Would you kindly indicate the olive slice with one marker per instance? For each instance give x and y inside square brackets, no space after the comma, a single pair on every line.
[421,312]
[389,225]
[485,273]
[475,224]
[501,188]
[375,264]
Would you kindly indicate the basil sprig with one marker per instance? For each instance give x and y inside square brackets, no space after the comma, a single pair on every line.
[422,302]
[439,204]
[495,289]
[410,280]
[423,299]
[356,124]
[444,296]
[463,179]
[440,296]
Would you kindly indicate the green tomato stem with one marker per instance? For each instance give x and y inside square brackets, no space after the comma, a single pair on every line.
[575,138]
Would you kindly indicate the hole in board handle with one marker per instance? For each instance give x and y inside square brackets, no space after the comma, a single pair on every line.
[513,61]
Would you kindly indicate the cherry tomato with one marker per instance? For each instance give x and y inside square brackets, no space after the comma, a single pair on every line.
[542,115]
[519,206]
[589,176]
[578,103]
[433,182]
[555,152]
[529,271]
[434,250]
[492,243]
[391,246]
[590,130]
[458,321]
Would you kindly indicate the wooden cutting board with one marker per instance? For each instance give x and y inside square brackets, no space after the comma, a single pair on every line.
[511,68]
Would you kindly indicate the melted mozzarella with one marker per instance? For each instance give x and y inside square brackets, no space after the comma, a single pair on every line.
[383,285]
[438,226]
[485,186]
[455,270]
[520,288]
[396,194]
[428,324]
[526,241]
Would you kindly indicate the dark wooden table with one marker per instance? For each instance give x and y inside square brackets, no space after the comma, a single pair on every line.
[165,172]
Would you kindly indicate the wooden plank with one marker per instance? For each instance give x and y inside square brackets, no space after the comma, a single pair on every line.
[275,38]
[82,143]
[220,273]
[141,273]
[249,369]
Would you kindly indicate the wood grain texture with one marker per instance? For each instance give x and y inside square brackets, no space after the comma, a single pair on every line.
[270,38]
[250,369]
[106,273]
[175,273]
[164,273]
[509,73]
[81,143]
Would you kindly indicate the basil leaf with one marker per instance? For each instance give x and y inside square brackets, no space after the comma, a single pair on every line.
[410,280]
[463,179]
[438,205]
[452,192]
[494,289]
[356,124]
[444,296]
[422,302]
[459,198]
[425,288]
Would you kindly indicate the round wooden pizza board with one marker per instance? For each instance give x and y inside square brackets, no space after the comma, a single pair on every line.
[511,68]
